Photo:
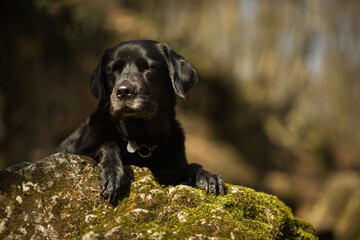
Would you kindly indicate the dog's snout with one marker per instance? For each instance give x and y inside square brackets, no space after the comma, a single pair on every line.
[125,90]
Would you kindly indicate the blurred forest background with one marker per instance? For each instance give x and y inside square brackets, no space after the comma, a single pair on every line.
[276,107]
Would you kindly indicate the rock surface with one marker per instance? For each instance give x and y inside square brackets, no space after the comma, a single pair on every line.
[58,198]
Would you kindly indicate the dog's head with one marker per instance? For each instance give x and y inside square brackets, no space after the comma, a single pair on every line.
[136,78]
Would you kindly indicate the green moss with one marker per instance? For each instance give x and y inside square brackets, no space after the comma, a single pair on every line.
[150,210]
[254,216]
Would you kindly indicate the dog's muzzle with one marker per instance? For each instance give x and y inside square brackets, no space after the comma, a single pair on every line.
[130,99]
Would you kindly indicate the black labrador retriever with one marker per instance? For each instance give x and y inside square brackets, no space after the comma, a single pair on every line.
[136,83]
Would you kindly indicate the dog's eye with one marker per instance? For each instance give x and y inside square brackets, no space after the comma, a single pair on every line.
[108,69]
[118,66]
[143,65]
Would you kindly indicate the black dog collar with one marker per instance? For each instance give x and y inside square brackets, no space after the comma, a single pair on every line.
[143,150]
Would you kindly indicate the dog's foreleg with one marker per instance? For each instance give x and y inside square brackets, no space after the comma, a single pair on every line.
[111,173]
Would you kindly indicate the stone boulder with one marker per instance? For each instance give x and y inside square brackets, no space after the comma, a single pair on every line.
[58,198]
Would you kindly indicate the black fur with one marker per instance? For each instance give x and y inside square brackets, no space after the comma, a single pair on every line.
[136,83]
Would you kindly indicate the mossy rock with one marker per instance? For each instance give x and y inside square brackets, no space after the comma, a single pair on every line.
[58,198]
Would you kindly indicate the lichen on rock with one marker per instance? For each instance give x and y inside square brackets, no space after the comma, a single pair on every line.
[58,198]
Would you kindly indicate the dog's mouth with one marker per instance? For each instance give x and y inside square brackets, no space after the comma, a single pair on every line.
[139,107]
[127,112]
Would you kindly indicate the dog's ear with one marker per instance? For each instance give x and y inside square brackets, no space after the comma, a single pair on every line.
[183,76]
[97,79]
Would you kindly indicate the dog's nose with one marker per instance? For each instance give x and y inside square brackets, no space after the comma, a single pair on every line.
[125,90]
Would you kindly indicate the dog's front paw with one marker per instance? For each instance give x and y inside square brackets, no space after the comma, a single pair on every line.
[200,178]
[111,182]
[210,182]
